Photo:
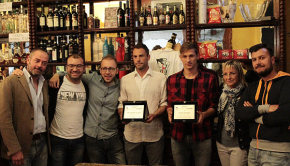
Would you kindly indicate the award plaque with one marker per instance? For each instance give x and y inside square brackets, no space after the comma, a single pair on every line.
[135,111]
[184,111]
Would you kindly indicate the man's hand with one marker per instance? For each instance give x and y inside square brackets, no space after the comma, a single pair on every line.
[247,104]
[18,72]
[200,117]
[54,81]
[151,117]
[273,108]
[17,158]
[169,113]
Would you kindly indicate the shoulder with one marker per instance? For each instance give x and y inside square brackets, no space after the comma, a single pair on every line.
[128,76]
[158,75]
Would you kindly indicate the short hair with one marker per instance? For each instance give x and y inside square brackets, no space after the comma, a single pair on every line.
[141,45]
[188,46]
[109,57]
[75,56]
[238,66]
[257,47]
[33,51]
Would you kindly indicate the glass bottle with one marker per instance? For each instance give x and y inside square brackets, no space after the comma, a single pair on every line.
[64,49]
[55,50]
[68,19]
[127,14]
[111,47]
[56,19]
[142,17]
[105,48]
[155,16]
[120,16]
[61,18]
[42,19]
[181,15]
[91,22]
[74,18]
[50,18]
[171,42]
[85,18]
[149,17]
[167,16]
[16,21]
[16,57]
[162,17]
[175,16]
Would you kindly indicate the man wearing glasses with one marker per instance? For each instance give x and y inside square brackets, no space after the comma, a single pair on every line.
[101,126]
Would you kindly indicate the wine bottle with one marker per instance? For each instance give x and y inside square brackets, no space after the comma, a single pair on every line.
[42,19]
[111,47]
[155,16]
[74,18]
[149,20]
[171,42]
[181,15]
[61,18]
[127,14]
[167,16]
[50,18]
[55,50]
[105,48]
[85,18]
[142,17]
[68,19]
[120,16]
[175,16]
[56,19]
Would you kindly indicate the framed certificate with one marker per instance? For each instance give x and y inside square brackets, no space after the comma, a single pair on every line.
[135,111]
[184,111]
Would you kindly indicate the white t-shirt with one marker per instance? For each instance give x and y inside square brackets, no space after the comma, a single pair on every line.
[165,61]
[68,118]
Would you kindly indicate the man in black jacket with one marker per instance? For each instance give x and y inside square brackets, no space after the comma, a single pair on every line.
[67,111]
[265,105]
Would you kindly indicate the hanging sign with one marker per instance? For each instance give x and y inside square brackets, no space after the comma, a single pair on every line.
[7,6]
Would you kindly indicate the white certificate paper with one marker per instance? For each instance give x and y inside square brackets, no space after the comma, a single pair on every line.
[133,112]
[186,111]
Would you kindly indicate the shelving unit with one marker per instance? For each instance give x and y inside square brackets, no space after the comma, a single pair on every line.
[190,26]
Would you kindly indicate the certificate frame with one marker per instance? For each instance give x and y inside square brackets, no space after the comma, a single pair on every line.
[187,105]
[135,115]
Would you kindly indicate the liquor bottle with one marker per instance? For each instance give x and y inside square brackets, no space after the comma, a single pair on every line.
[155,16]
[26,23]
[127,49]
[167,16]
[85,18]
[175,16]
[49,48]
[120,16]
[42,45]
[136,19]
[70,46]
[68,19]
[42,19]
[74,18]
[162,17]
[142,17]
[55,50]
[127,15]
[97,22]
[16,57]
[149,20]
[16,21]
[171,42]
[111,47]
[105,48]
[61,18]
[75,45]
[55,19]
[181,15]
[50,17]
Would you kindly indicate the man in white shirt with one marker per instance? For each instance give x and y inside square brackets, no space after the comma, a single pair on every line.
[67,108]
[144,84]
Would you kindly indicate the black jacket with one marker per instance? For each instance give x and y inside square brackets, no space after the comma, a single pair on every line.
[274,92]
[241,130]
[53,99]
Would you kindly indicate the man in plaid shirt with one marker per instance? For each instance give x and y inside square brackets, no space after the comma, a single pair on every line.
[193,83]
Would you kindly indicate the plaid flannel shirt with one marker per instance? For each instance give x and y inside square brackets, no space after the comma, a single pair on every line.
[204,91]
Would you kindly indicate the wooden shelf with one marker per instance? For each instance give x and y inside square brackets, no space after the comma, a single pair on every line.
[108,30]
[17,4]
[4,35]
[119,63]
[161,27]
[238,24]
[54,2]
[97,1]
[221,60]
[61,32]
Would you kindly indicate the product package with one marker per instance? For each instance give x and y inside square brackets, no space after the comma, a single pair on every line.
[240,54]
[225,54]
[214,14]
[207,49]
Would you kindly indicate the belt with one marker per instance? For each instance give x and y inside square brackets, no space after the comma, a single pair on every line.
[38,136]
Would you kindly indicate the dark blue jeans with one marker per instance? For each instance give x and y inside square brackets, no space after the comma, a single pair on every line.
[106,151]
[66,152]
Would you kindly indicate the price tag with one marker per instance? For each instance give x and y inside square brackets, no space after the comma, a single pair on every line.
[18,37]
[7,6]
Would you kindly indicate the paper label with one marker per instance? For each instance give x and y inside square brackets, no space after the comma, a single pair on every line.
[7,6]
[18,37]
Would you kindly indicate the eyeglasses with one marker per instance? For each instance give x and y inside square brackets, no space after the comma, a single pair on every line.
[73,66]
[110,69]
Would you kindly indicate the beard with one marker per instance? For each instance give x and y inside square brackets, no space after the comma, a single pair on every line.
[266,72]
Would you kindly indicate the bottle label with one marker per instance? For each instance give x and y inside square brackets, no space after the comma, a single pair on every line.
[149,20]
[181,19]
[67,22]
[54,56]
[162,19]
[126,18]
[42,21]
[50,22]
[65,53]
[169,45]
[175,19]
[60,54]
[74,22]
[55,21]
[155,20]
[141,21]
[167,19]
[61,22]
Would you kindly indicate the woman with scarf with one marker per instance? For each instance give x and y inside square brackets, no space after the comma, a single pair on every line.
[232,135]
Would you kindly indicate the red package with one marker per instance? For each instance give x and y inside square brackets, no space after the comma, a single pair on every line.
[120,53]
[225,54]
[201,50]
[214,14]
[240,54]
[211,50]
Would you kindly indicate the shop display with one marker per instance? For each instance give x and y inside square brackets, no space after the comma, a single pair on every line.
[253,11]
[14,53]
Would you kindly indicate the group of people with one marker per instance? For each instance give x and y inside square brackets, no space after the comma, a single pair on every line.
[79,113]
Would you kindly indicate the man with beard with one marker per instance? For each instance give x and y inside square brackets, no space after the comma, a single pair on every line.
[144,84]
[103,142]
[24,113]
[67,109]
[265,105]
